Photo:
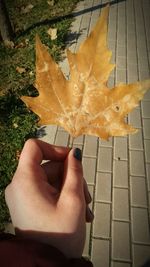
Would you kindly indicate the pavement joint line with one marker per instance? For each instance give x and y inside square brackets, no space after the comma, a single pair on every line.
[140,243]
[121,220]
[91,184]
[103,202]
[137,149]
[121,187]
[120,260]
[107,172]
[122,160]
[146,37]
[140,207]
[101,238]
[141,176]
[90,157]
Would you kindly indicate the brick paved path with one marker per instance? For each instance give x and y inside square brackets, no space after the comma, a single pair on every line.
[118,171]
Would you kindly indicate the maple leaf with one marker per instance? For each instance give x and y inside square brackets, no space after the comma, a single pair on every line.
[84,104]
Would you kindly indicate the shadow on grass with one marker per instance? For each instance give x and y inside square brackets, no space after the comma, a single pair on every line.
[68,16]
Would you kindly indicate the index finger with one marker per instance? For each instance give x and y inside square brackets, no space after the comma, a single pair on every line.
[34,151]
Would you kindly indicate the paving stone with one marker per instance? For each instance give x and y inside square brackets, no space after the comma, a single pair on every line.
[47,133]
[136,141]
[147,95]
[143,63]
[87,243]
[121,38]
[112,45]
[89,169]
[131,45]
[132,72]
[101,225]
[135,118]
[141,255]
[111,82]
[131,58]
[147,150]
[120,204]
[106,143]
[100,253]
[61,138]
[137,163]
[144,75]
[138,191]
[120,76]
[120,148]
[91,191]
[90,146]
[121,62]
[146,128]
[105,159]
[120,173]
[121,241]
[121,51]
[60,129]
[103,187]
[78,140]
[140,225]
[145,109]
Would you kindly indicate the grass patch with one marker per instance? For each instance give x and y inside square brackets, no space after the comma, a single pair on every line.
[17,123]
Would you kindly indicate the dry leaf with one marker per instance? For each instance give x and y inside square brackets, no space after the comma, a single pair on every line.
[15,125]
[84,104]
[20,70]
[31,73]
[27,9]
[22,44]
[50,3]
[52,32]
[9,44]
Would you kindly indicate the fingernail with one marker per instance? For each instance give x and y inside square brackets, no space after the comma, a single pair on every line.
[77,154]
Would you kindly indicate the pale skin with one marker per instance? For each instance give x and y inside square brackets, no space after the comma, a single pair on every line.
[49,201]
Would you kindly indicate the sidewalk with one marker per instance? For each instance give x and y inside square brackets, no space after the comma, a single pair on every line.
[117,171]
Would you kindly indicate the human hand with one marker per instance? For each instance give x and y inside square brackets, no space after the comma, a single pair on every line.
[49,201]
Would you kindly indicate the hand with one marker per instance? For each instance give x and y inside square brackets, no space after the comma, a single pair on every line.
[49,201]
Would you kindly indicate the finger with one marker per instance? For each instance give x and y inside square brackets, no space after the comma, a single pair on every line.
[87,195]
[34,151]
[54,173]
[73,174]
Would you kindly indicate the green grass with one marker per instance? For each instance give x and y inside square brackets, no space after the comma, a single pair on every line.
[17,123]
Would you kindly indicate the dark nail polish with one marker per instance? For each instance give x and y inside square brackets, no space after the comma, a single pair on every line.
[77,154]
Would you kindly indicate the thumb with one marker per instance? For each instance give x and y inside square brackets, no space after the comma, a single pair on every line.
[73,174]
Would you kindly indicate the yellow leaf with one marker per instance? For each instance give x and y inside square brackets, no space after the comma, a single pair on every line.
[84,104]
[52,32]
